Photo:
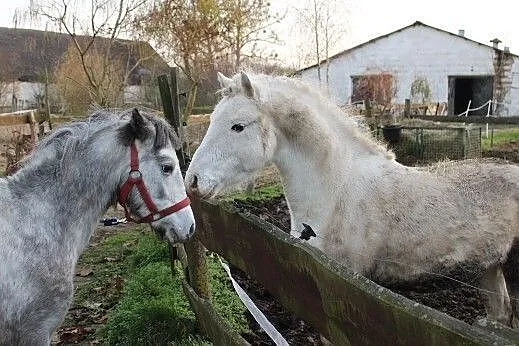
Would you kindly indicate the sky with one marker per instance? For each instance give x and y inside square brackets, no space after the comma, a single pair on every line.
[363,20]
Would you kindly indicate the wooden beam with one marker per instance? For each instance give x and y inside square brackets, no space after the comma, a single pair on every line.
[22,117]
[10,120]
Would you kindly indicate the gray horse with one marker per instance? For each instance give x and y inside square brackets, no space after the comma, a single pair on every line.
[51,207]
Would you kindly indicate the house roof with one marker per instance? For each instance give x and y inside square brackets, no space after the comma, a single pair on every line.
[26,53]
[417,23]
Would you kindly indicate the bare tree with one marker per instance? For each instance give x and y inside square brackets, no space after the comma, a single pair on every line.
[327,27]
[203,36]
[86,24]
[74,86]
[248,23]
[188,33]
[7,85]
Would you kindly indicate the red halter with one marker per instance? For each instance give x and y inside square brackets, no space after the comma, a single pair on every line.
[135,179]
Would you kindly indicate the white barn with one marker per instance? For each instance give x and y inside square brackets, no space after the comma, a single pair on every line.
[427,65]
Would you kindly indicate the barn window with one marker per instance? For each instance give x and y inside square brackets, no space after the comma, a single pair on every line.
[374,87]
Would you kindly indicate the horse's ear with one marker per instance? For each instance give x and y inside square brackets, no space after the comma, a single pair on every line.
[246,85]
[137,121]
[224,81]
[137,128]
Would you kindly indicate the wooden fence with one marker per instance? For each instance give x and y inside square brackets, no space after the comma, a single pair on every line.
[32,117]
[19,133]
[345,307]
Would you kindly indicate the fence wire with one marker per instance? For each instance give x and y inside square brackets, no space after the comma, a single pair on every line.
[422,145]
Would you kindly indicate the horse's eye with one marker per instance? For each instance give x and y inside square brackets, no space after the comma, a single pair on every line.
[167,169]
[238,127]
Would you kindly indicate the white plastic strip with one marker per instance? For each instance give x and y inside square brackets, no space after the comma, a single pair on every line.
[256,313]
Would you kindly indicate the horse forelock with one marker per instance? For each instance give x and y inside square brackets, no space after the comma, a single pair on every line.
[164,134]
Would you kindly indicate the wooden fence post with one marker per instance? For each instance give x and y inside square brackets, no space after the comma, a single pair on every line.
[367,105]
[31,119]
[170,105]
[407,108]
[197,268]
[196,262]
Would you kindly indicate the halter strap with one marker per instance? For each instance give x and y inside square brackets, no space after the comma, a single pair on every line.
[135,179]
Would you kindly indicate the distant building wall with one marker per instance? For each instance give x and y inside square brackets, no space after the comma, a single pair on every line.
[421,52]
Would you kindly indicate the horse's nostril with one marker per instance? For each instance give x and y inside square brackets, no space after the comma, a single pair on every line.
[192,230]
[194,184]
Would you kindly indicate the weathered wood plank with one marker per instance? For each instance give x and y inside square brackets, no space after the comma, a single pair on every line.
[345,307]
[22,117]
[472,119]
[171,110]
[213,325]
[18,119]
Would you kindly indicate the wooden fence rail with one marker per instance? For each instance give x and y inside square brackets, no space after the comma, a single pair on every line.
[345,307]
[31,117]
[23,117]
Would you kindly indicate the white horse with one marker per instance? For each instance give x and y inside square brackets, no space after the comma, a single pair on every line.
[51,206]
[387,221]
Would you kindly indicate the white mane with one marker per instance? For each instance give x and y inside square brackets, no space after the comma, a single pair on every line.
[280,95]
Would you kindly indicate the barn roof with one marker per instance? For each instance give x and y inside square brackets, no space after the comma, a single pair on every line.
[417,23]
[25,54]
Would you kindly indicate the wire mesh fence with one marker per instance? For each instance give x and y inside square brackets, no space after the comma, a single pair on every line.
[423,145]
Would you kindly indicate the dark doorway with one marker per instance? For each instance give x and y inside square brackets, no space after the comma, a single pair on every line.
[477,89]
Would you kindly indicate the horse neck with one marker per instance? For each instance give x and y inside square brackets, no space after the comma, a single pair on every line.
[305,168]
[320,163]
[76,197]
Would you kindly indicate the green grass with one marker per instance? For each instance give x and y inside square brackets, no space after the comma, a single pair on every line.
[500,137]
[153,309]
[264,193]
[225,300]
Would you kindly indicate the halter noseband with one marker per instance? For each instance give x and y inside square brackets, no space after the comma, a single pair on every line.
[135,179]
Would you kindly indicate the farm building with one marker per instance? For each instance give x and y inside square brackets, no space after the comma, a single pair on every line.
[28,57]
[428,66]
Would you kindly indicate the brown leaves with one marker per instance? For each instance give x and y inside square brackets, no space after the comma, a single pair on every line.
[205,35]
[111,259]
[72,335]
[83,272]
